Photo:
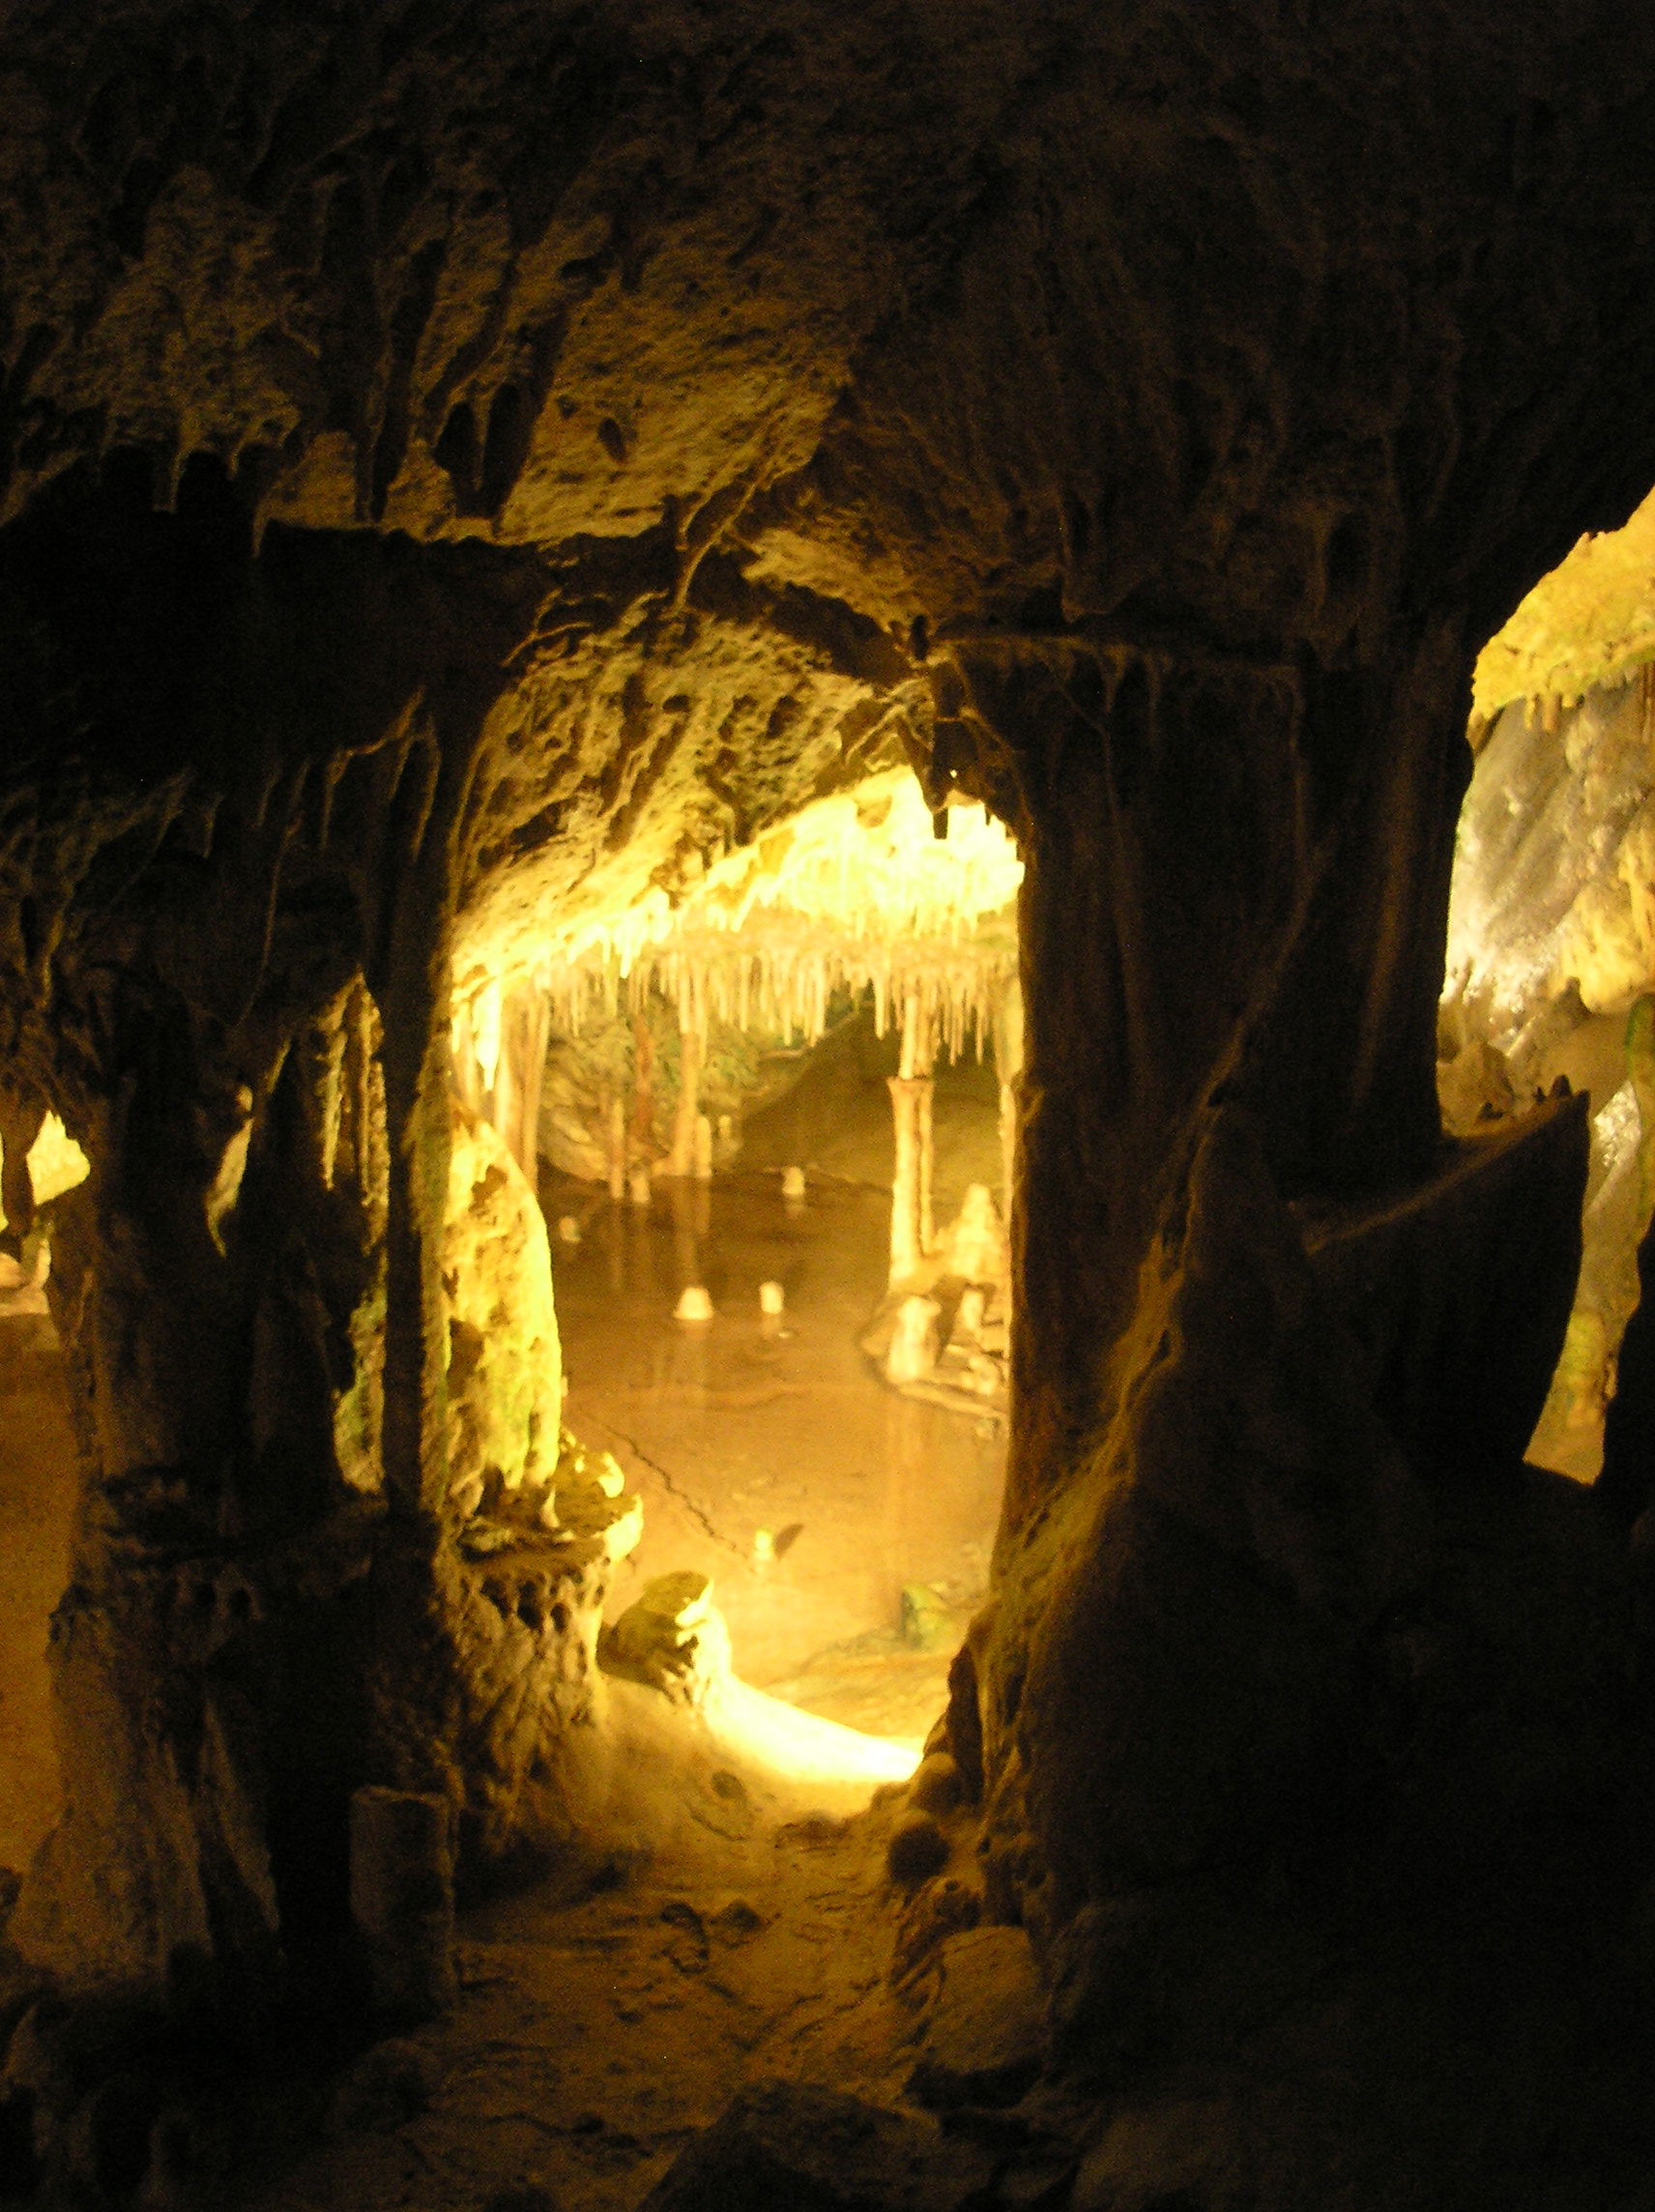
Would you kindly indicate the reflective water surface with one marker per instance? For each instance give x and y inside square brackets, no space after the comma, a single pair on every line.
[767,1451]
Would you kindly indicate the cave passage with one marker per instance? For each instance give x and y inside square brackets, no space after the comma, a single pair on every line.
[847,1527]
[771,1126]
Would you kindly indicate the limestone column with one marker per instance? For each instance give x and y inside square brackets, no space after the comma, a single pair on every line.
[1008,1065]
[524,1030]
[910,1115]
[1229,983]
[642,1135]
[687,1116]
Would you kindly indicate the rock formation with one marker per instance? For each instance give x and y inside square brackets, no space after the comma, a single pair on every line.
[464,462]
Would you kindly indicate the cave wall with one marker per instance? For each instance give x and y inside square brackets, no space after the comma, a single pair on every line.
[464,462]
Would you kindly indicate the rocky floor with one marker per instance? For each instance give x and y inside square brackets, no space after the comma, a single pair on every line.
[596,2032]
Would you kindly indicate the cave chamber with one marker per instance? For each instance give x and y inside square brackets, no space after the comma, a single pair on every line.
[486,488]
[772,1124]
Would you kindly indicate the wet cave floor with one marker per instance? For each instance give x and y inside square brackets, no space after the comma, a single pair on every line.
[767,1451]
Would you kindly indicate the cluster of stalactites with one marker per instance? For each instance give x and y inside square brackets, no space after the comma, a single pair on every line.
[790,990]
[856,894]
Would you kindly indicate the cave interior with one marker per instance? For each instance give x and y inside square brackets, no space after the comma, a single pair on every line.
[610,613]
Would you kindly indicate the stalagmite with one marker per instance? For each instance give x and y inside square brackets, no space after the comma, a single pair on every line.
[910,1100]
[617,1135]
[914,1347]
[694,1304]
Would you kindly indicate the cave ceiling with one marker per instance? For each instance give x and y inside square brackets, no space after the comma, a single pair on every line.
[725,377]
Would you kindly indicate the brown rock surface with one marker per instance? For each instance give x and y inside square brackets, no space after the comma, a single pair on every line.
[984,2036]
[783,2143]
[463,463]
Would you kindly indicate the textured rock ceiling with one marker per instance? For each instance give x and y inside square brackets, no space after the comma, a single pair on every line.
[796,341]
[1590,623]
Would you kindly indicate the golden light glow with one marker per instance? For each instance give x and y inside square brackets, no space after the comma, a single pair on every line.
[1590,622]
[56,1162]
[854,891]
[802,1747]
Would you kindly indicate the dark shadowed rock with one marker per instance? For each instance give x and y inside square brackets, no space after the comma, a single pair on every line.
[783,2145]
[937,1787]
[1460,1289]
[918,1846]
[984,2035]
[524,2196]
[387,2085]
[1629,1425]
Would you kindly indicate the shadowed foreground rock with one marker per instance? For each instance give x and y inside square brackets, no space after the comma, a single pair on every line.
[783,2143]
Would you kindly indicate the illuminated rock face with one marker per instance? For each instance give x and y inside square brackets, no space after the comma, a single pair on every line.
[505,1374]
[1551,978]
[460,474]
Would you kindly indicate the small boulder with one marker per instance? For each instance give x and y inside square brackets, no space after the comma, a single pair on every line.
[784,2143]
[937,1911]
[737,1922]
[984,2036]
[928,1623]
[673,1637]
[917,1848]
[390,2085]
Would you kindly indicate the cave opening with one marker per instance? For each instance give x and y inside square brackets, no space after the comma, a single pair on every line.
[772,1124]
